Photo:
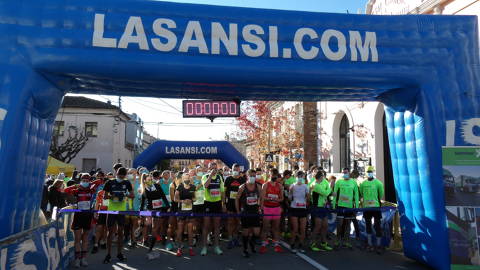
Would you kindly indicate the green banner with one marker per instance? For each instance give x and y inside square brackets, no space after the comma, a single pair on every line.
[461,156]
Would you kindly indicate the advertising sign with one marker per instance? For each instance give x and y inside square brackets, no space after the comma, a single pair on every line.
[461,181]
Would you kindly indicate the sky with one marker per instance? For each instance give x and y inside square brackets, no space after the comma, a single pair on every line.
[163,118]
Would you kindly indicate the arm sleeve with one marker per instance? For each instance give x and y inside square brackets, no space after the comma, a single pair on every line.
[335,195]
[356,197]
[381,191]
[70,190]
[326,190]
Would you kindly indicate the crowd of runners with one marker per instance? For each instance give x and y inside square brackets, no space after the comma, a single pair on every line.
[195,207]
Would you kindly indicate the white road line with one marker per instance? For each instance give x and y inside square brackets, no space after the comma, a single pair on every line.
[305,257]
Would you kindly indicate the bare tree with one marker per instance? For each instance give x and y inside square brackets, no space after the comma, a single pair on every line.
[69,149]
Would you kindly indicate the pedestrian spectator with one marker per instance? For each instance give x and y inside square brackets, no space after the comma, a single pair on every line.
[55,196]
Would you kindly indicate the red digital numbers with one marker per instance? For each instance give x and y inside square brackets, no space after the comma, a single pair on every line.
[206,108]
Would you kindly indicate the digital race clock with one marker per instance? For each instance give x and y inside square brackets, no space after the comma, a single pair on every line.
[211,108]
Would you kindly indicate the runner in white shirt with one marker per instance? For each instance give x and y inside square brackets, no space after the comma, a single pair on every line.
[299,197]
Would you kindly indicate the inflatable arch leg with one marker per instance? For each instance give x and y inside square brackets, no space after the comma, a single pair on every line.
[28,106]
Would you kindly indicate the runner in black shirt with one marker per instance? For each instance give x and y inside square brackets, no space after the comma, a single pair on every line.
[232,183]
[184,196]
[247,203]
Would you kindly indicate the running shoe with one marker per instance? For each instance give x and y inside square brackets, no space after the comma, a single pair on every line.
[107,259]
[191,252]
[84,262]
[169,246]
[94,249]
[347,245]
[245,253]
[76,263]
[301,249]
[278,249]
[263,249]
[230,244]
[326,247]
[314,247]
[218,251]
[179,252]
[121,257]
[204,251]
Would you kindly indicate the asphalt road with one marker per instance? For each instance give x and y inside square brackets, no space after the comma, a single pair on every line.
[232,260]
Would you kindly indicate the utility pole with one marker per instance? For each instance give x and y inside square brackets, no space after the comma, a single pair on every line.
[120,103]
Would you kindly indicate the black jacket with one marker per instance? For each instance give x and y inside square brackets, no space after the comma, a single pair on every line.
[149,195]
[56,198]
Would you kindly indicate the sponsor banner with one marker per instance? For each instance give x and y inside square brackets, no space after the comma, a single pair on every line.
[461,179]
[48,247]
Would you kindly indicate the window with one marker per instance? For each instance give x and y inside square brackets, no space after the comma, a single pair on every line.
[89,164]
[344,142]
[59,128]
[91,129]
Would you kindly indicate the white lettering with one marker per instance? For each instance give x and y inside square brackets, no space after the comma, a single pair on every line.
[230,42]
[98,30]
[134,24]
[273,41]
[160,31]
[369,45]
[298,40]
[467,131]
[325,44]
[193,28]
[251,38]
[214,150]
[450,134]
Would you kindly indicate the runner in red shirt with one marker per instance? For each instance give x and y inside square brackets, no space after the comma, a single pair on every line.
[271,199]
[82,221]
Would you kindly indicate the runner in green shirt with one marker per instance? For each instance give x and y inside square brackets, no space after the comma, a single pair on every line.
[345,196]
[372,192]
[320,189]
[214,204]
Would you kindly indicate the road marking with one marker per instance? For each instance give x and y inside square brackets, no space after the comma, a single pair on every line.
[305,257]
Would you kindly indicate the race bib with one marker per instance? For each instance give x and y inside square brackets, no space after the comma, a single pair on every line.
[233,195]
[272,197]
[300,205]
[344,198]
[252,200]
[84,205]
[215,193]
[370,203]
[186,206]
[105,203]
[199,197]
[157,204]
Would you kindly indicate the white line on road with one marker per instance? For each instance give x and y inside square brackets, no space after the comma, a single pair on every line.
[305,258]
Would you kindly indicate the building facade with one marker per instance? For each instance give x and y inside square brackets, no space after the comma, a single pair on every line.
[113,136]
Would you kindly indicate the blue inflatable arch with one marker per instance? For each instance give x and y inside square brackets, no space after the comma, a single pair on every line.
[160,150]
[425,69]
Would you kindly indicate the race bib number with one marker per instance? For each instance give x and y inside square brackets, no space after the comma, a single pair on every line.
[344,198]
[199,196]
[215,193]
[157,204]
[300,205]
[233,195]
[370,203]
[272,197]
[105,203]
[84,205]
[252,200]
[186,206]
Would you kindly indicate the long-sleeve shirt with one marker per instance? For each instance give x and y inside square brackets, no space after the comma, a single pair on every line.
[346,193]
[320,192]
[371,192]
